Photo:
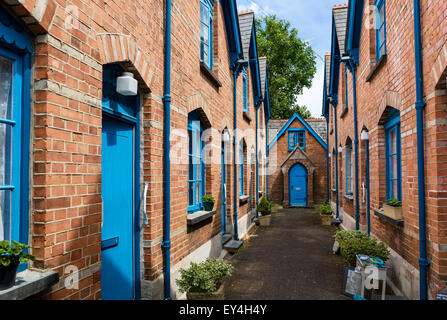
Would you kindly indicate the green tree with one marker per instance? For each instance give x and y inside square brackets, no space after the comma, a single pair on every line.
[291,65]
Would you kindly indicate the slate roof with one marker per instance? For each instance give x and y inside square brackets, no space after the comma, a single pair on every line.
[327,69]
[341,23]
[263,70]
[246,21]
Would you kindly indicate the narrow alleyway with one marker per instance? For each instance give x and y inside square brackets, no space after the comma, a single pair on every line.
[291,260]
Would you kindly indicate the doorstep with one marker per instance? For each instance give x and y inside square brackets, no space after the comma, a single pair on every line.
[29,283]
[233,246]
[226,238]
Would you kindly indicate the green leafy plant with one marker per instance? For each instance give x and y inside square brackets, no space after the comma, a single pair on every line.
[13,252]
[353,243]
[326,209]
[208,199]
[204,277]
[394,203]
[265,207]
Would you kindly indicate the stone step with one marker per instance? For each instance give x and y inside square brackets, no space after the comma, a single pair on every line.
[233,246]
[226,238]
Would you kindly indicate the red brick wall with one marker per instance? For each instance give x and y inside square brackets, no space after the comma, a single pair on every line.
[278,182]
[66,150]
[393,85]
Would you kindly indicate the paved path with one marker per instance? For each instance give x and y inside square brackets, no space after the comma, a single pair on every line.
[291,260]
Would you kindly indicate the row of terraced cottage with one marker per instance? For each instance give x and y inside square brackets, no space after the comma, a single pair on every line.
[385,103]
[116,117]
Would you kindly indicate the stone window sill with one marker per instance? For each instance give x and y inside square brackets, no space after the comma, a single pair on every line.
[334,190]
[210,75]
[29,283]
[375,68]
[349,197]
[383,217]
[197,217]
[243,199]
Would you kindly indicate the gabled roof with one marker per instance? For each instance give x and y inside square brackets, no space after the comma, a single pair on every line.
[250,50]
[341,21]
[326,85]
[246,22]
[296,116]
[233,30]
[354,28]
[299,150]
[263,71]
[265,87]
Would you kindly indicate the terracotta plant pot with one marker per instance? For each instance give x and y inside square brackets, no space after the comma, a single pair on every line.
[8,275]
[208,206]
[394,213]
[218,295]
[265,221]
[326,220]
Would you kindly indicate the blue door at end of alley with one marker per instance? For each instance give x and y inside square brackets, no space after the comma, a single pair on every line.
[298,185]
[117,193]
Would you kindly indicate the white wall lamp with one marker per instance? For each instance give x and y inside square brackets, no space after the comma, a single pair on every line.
[365,135]
[225,137]
[127,85]
[340,149]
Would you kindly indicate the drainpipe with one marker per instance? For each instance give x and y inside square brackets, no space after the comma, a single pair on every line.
[334,104]
[267,161]
[166,244]
[352,67]
[356,146]
[365,137]
[327,160]
[235,76]
[420,105]
[257,162]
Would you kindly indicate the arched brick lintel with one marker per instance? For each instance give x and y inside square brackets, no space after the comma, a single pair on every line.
[36,14]
[439,69]
[120,48]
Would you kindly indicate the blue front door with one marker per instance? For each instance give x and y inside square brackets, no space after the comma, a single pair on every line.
[298,185]
[117,268]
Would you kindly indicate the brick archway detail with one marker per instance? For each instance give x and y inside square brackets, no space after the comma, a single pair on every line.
[439,69]
[121,48]
[36,14]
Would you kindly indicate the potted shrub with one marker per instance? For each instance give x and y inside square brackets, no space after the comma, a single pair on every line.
[11,255]
[326,214]
[208,203]
[354,242]
[265,212]
[204,281]
[393,209]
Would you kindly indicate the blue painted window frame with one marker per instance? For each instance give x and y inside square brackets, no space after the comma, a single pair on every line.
[16,45]
[393,125]
[380,28]
[241,168]
[195,130]
[348,164]
[245,90]
[297,136]
[206,23]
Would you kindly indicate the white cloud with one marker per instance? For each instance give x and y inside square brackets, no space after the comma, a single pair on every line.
[253,6]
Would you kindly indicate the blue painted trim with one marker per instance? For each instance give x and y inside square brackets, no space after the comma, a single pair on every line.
[196,130]
[245,90]
[305,124]
[209,5]
[336,162]
[348,154]
[166,244]
[295,134]
[16,44]
[137,230]
[368,192]
[380,43]
[327,164]
[235,76]
[257,163]
[346,87]
[241,168]
[393,125]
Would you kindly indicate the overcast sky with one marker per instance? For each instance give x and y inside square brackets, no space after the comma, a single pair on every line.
[312,19]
